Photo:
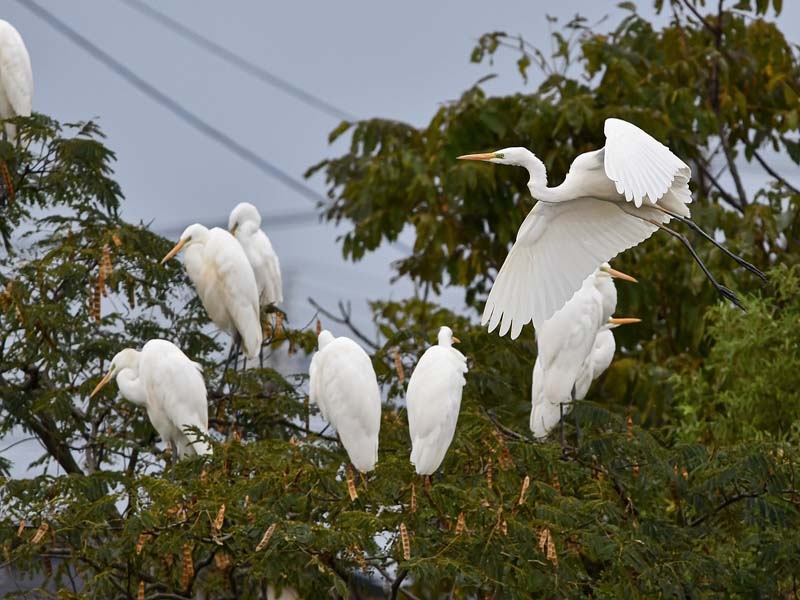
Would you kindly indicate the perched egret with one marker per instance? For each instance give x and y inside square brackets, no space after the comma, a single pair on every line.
[611,199]
[568,348]
[433,400]
[16,77]
[343,384]
[170,386]
[218,267]
[245,224]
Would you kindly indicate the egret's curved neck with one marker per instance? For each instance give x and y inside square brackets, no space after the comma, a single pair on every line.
[537,184]
[131,386]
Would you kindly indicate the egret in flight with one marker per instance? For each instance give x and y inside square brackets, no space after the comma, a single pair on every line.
[16,77]
[573,349]
[245,224]
[343,384]
[433,399]
[170,386]
[612,199]
[218,267]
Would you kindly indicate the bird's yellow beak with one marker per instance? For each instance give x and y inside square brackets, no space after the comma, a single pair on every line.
[103,381]
[624,320]
[618,274]
[174,251]
[485,156]
[456,340]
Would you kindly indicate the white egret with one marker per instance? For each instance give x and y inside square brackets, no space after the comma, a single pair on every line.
[16,77]
[218,267]
[433,399]
[170,386]
[612,199]
[568,348]
[245,224]
[343,384]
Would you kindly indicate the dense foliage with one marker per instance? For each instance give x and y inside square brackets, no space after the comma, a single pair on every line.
[679,482]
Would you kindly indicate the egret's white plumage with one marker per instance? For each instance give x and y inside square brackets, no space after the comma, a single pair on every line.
[245,224]
[170,386]
[433,399]
[611,200]
[16,77]
[343,384]
[224,280]
[574,348]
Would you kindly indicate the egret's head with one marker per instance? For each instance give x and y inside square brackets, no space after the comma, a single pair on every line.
[124,359]
[507,156]
[605,269]
[244,212]
[324,338]
[446,337]
[192,234]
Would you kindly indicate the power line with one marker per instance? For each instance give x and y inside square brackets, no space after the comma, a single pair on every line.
[244,64]
[271,222]
[173,106]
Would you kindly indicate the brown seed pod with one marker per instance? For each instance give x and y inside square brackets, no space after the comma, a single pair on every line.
[319,327]
[413,498]
[556,483]
[116,239]
[7,182]
[405,541]
[37,537]
[220,518]
[21,527]
[526,483]
[489,473]
[143,537]
[351,484]
[398,365]
[222,561]
[140,594]
[265,539]
[461,523]
[187,566]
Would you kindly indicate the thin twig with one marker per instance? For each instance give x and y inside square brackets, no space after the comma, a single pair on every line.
[774,174]
[344,319]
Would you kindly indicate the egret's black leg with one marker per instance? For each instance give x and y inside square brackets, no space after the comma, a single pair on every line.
[723,291]
[577,422]
[561,421]
[688,222]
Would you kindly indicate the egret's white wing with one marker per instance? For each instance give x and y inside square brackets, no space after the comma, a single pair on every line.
[347,387]
[237,287]
[639,165]
[16,76]
[557,247]
[433,400]
[267,268]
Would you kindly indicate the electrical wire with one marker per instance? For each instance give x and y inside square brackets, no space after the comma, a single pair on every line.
[238,61]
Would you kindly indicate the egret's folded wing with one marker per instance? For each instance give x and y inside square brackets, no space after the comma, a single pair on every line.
[639,165]
[557,247]
[16,76]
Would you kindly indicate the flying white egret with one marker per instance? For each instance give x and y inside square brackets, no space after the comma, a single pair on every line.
[433,399]
[16,77]
[572,346]
[245,224]
[170,386]
[218,267]
[612,199]
[343,384]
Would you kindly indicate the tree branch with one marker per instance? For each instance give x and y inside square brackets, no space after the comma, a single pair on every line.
[774,173]
[345,319]
[397,583]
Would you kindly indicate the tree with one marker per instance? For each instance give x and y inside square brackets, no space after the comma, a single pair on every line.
[681,482]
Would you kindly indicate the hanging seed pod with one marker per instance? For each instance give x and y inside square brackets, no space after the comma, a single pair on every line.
[526,483]
[351,484]
[219,520]
[37,537]
[551,550]
[556,483]
[630,427]
[187,566]
[115,238]
[140,594]
[278,324]
[405,541]
[544,535]
[461,523]
[413,498]
[489,474]
[685,473]
[143,537]
[265,539]
[398,366]
[21,527]
[504,459]
[7,182]
[222,561]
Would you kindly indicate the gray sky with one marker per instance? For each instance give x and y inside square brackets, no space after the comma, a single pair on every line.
[396,60]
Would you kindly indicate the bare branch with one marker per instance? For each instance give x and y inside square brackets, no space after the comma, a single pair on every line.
[344,319]
[774,173]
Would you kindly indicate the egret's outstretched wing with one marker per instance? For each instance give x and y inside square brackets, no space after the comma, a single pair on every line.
[639,165]
[346,385]
[238,287]
[16,76]
[433,401]
[557,247]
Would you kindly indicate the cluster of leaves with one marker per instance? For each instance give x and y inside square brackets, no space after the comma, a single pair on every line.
[679,481]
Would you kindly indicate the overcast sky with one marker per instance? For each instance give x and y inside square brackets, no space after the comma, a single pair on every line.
[396,60]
